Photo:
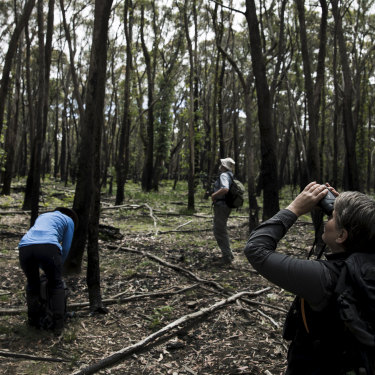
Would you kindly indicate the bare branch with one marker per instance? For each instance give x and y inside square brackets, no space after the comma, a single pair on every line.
[176,268]
[31,357]
[228,7]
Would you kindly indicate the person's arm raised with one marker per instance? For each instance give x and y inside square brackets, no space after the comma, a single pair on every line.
[308,198]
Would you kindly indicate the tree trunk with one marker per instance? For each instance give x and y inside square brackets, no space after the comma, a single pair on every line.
[148,168]
[87,190]
[350,129]
[236,143]
[267,130]
[12,129]
[191,143]
[122,166]
[312,148]
[47,69]
[220,110]
[33,181]
[164,118]
[313,96]
[12,48]
[77,94]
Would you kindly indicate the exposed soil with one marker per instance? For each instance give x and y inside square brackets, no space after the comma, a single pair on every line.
[240,338]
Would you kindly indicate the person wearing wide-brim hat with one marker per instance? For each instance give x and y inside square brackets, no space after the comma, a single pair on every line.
[221,210]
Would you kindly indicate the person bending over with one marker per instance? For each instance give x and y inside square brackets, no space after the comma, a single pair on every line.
[331,323]
[46,245]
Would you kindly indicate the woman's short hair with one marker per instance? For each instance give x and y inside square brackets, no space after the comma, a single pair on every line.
[355,212]
[69,212]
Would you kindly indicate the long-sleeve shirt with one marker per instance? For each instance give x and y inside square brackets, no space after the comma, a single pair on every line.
[51,228]
[309,279]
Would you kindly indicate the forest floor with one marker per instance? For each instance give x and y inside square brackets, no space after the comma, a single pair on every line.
[158,267]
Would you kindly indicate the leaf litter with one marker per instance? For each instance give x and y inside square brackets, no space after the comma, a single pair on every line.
[241,338]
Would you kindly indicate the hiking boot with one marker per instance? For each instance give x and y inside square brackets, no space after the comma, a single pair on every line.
[223,261]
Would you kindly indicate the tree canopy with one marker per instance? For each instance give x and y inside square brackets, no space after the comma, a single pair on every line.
[284,88]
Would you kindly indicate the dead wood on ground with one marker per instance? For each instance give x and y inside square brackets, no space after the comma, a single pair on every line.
[140,345]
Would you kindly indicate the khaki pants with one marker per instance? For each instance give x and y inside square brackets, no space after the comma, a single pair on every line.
[221,215]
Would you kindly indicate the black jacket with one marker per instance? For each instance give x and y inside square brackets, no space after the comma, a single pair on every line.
[324,324]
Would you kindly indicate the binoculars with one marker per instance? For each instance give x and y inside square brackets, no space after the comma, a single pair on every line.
[326,204]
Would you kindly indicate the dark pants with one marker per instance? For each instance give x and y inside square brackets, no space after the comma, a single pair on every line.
[48,258]
[44,256]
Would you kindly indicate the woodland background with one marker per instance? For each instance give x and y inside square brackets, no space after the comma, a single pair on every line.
[101,94]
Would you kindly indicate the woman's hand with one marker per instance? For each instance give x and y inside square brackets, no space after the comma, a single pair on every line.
[308,198]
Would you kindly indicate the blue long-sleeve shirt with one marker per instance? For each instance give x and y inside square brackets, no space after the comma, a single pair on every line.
[51,228]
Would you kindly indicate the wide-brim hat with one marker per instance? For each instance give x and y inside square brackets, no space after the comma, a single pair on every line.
[228,163]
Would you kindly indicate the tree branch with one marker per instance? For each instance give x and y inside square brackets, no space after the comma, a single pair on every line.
[227,7]
[108,301]
[176,268]
[31,357]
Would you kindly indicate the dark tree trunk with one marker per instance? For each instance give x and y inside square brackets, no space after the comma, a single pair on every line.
[122,166]
[351,181]
[12,48]
[77,94]
[213,150]
[220,110]
[191,143]
[148,168]
[267,130]
[236,142]
[33,181]
[55,137]
[47,69]
[312,149]
[96,93]
[87,197]
[64,131]
[12,129]
[313,96]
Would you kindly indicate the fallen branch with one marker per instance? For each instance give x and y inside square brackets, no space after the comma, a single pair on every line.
[117,300]
[182,225]
[108,301]
[13,311]
[15,212]
[153,217]
[31,357]
[269,318]
[194,230]
[173,266]
[141,345]
[272,307]
[126,206]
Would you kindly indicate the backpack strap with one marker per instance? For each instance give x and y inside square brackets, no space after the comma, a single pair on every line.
[231,177]
[303,313]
